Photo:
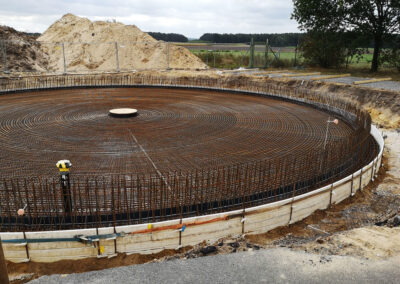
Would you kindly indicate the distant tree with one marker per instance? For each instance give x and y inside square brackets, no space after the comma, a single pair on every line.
[325,49]
[373,18]
[171,37]
[277,40]
[34,35]
[391,56]
[356,45]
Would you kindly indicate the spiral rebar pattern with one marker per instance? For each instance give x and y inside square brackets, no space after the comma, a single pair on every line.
[181,130]
[188,152]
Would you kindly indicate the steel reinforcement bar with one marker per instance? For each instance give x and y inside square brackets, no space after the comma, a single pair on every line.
[133,199]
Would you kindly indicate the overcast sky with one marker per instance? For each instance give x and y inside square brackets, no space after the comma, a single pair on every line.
[191,17]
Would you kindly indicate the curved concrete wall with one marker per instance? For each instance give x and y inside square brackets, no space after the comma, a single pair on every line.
[49,246]
[52,246]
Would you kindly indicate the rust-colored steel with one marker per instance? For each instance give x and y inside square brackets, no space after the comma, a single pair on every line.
[176,130]
[188,152]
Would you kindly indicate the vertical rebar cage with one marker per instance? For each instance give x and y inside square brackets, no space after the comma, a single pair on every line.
[131,198]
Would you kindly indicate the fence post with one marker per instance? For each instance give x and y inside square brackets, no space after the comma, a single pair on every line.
[168,55]
[63,51]
[214,57]
[3,268]
[3,47]
[116,56]
[251,61]
[266,54]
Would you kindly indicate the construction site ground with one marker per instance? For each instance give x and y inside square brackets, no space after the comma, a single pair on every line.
[358,239]
[355,241]
[308,75]
[278,265]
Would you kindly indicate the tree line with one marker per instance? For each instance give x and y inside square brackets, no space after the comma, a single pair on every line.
[169,37]
[336,29]
[279,40]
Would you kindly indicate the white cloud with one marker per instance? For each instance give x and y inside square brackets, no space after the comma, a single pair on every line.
[191,18]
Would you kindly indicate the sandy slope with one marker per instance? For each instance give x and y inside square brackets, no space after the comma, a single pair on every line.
[91,46]
[23,52]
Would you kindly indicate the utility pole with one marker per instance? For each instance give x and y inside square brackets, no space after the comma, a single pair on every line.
[116,56]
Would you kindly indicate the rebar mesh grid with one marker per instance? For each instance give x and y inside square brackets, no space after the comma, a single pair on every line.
[189,152]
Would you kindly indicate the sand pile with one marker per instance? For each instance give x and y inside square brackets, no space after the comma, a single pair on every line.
[23,52]
[369,242]
[91,46]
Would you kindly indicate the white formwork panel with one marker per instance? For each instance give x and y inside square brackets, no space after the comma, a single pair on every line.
[356,181]
[107,246]
[148,242]
[341,192]
[211,232]
[267,219]
[366,176]
[54,251]
[14,252]
[303,208]
[43,252]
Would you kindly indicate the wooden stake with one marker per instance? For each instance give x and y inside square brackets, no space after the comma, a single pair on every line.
[371,81]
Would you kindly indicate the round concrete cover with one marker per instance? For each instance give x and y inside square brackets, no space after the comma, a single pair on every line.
[123,111]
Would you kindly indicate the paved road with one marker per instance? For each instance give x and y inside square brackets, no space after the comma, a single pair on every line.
[279,265]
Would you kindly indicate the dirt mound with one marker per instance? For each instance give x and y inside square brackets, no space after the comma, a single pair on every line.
[92,46]
[23,52]
[369,242]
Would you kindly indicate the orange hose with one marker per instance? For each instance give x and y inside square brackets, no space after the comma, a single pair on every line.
[179,226]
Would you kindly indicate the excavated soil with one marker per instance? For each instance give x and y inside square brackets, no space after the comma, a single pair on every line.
[23,52]
[91,46]
[22,272]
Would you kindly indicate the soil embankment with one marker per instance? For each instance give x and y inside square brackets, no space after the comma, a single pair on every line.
[23,52]
[93,46]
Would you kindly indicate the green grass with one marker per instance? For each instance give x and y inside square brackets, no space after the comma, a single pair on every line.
[232,59]
[239,58]
[198,41]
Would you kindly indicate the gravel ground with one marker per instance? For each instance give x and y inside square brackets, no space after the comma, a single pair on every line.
[386,85]
[306,77]
[277,75]
[279,265]
[345,80]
